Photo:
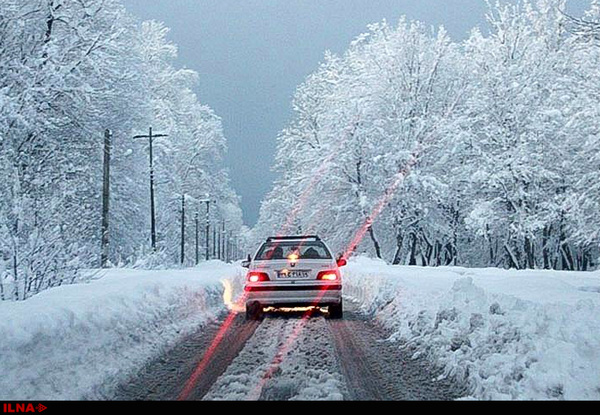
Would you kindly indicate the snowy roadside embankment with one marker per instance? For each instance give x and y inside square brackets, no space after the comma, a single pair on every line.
[510,334]
[77,341]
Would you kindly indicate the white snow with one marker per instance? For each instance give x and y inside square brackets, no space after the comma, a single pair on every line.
[74,342]
[284,360]
[510,334]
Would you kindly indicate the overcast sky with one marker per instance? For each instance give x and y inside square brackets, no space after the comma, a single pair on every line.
[251,55]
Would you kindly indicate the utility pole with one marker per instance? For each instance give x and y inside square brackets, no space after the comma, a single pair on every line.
[214,238]
[105,199]
[233,248]
[207,227]
[208,202]
[218,243]
[197,240]
[150,138]
[182,228]
[227,246]
[223,241]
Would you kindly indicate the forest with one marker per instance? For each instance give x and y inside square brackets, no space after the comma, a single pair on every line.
[410,146]
[72,71]
[481,153]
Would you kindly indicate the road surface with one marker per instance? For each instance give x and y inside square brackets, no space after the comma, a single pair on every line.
[289,357]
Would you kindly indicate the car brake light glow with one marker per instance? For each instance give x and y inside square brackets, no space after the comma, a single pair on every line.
[328,275]
[258,276]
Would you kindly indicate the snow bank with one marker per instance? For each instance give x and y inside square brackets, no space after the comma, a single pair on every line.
[509,334]
[76,342]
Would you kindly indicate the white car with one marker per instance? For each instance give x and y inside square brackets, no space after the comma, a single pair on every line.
[293,271]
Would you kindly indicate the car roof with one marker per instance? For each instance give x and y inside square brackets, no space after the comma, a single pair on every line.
[294,238]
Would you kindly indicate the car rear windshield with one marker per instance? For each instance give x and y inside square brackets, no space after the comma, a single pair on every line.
[282,249]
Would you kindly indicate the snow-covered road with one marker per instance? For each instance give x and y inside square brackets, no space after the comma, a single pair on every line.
[410,333]
[285,359]
[291,356]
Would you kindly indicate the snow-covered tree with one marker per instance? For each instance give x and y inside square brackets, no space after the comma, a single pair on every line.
[429,152]
[69,70]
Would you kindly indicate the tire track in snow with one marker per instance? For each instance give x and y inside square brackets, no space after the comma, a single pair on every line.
[309,369]
[164,377]
[362,382]
[245,371]
[288,358]
[378,369]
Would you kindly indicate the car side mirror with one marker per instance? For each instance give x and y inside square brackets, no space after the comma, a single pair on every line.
[246,263]
[341,262]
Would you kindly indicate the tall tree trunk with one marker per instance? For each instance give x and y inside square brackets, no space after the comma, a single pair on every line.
[454,242]
[529,249]
[490,245]
[566,257]
[104,237]
[375,242]
[399,240]
[15,259]
[426,255]
[588,263]
[182,242]
[547,231]
[413,249]
[438,253]
[565,251]
[512,257]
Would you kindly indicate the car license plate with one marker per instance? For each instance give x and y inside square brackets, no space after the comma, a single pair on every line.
[283,275]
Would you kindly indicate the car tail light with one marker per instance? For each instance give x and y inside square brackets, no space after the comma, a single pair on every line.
[257,277]
[332,275]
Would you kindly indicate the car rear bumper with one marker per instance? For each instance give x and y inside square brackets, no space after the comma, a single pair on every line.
[294,295]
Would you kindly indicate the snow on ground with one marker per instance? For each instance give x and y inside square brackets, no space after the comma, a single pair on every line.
[74,342]
[284,360]
[510,334]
